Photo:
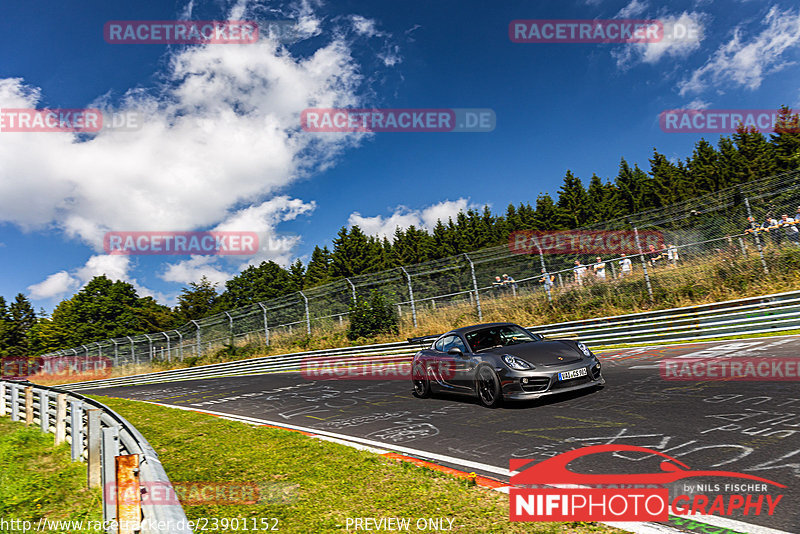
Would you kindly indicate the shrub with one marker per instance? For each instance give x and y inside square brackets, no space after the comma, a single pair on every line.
[370,317]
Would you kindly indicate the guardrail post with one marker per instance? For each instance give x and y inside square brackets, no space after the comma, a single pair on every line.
[76,429]
[61,418]
[127,491]
[14,403]
[644,264]
[108,454]
[411,296]
[475,287]
[755,235]
[94,437]
[308,317]
[28,405]
[266,325]
[2,400]
[44,410]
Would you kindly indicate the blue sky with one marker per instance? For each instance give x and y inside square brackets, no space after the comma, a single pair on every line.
[221,146]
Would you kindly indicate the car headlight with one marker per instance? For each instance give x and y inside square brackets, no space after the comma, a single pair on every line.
[516,363]
[585,350]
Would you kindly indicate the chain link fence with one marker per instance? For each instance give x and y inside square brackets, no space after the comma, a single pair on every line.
[706,238]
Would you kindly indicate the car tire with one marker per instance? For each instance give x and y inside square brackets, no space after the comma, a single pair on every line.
[487,386]
[422,384]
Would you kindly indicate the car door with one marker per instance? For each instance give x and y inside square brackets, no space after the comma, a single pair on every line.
[463,366]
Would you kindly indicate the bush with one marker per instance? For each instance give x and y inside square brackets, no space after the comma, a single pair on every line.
[370,317]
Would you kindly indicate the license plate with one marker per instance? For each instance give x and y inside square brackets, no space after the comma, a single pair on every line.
[575,373]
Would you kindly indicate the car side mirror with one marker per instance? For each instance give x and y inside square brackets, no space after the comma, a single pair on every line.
[455,351]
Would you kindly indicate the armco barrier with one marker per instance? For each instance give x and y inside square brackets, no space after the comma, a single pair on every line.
[764,314]
[116,454]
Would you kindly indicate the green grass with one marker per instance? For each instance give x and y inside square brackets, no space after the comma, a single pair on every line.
[38,480]
[311,485]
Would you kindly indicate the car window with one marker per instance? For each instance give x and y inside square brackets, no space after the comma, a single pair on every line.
[439,345]
[502,335]
[459,344]
[448,343]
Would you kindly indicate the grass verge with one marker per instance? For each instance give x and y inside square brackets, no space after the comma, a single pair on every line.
[39,481]
[310,485]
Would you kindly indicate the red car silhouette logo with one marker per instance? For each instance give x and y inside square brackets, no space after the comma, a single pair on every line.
[554,470]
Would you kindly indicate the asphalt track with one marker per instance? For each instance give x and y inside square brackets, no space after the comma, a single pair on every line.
[747,427]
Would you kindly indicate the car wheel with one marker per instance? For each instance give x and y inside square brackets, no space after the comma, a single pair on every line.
[422,385]
[487,385]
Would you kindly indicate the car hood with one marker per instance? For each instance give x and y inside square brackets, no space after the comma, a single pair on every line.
[542,353]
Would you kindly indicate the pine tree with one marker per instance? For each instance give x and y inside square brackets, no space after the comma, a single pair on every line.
[786,140]
[758,156]
[668,180]
[22,318]
[572,202]
[351,253]
[546,216]
[318,270]
[297,274]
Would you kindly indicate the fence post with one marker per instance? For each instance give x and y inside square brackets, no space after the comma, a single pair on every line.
[149,347]
[94,438]
[475,287]
[353,288]
[266,326]
[180,343]
[644,264]
[76,429]
[44,410]
[134,360]
[108,474]
[28,405]
[546,276]
[230,326]
[116,352]
[197,342]
[2,400]
[755,235]
[308,317]
[14,403]
[169,350]
[61,418]
[411,296]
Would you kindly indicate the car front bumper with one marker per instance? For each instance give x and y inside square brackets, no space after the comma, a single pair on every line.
[534,384]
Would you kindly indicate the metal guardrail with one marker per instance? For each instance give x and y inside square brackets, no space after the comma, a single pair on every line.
[764,314]
[119,459]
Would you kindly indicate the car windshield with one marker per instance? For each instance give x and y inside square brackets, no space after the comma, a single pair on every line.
[498,336]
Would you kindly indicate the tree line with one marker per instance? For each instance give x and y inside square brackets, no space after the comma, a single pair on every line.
[104,309]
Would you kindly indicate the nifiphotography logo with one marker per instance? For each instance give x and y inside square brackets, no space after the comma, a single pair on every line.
[635,496]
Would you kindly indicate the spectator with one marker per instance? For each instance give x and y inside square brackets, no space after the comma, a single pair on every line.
[752,227]
[771,226]
[625,266]
[497,285]
[547,279]
[653,255]
[599,269]
[509,282]
[579,271]
[790,226]
[672,255]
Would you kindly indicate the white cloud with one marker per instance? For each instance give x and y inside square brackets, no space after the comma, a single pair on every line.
[55,285]
[698,103]
[744,62]
[220,138]
[193,269]
[404,217]
[634,9]
[682,35]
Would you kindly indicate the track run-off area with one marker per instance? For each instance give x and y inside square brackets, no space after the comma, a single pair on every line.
[750,427]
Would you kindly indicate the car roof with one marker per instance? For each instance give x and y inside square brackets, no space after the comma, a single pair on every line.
[467,329]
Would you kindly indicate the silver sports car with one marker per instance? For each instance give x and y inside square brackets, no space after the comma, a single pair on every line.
[498,361]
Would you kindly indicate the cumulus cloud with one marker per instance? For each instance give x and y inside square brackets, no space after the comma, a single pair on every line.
[404,217]
[634,9]
[219,139]
[59,284]
[745,62]
[682,35]
[55,285]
